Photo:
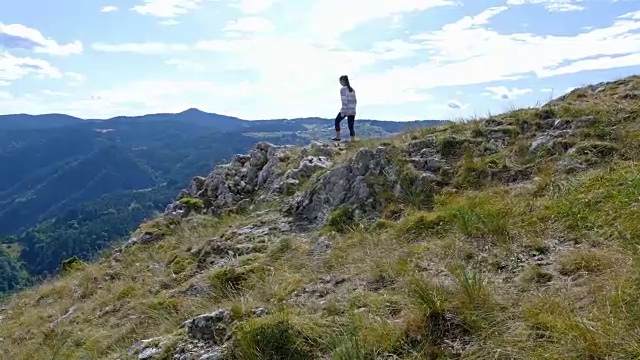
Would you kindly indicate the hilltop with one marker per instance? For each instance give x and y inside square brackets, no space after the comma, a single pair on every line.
[72,186]
[508,237]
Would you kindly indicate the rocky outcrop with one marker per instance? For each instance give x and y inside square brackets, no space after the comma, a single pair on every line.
[234,185]
[350,183]
[362,183]
[294,177]
[365,181]
[231,183]
[424,156]
[205,337]
[209,327]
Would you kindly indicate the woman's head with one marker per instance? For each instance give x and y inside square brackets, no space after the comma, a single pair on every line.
[344,81]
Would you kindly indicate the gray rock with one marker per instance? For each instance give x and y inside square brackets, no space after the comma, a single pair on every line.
[350,184]
[540,142]
[149,353]
[232,183]
[209,327]
[322,246]
[213,355]
[317,148]
[583,122]
[176,210]
[142,239]
[548,138]
[427,145]
[197,350]
[259,312]
[308,166]
[431,163]
[148,349]
[67,315]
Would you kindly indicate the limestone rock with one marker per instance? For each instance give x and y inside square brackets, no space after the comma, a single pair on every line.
[232,183]
[209,327]
[148,349]
[353,183]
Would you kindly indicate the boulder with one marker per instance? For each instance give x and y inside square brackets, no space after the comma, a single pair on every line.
[345,184]
[209,327]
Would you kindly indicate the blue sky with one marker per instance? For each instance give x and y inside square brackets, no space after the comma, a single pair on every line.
[256,59]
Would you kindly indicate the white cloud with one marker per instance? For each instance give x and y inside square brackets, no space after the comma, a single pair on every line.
[13,68]
[138,98]
[76,76]
[455,104]
[109,8]
[463,55]
[395,49]
[599,63]
[552,5]
[185,65]
[55,93]
[4,83]
[250,24]
[469,22]
[5,96]
[328,19]
[502,93]
[295,72]
[32,39]
[166,8]
[169,22]
[631,15]
[141,48]
[253,6]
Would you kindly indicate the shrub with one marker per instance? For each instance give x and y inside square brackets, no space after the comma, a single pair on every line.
[192,204]
[72,264]
[341,219]
[270,337]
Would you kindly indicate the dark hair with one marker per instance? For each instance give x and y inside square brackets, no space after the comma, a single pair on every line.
[345,78]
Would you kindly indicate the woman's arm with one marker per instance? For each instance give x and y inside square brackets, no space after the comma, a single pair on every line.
[343,99]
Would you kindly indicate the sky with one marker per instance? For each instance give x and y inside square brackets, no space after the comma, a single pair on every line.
[263,59]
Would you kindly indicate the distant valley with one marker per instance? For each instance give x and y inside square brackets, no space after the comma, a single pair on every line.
[71,187]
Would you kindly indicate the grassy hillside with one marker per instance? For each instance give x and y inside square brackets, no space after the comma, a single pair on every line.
[510,237]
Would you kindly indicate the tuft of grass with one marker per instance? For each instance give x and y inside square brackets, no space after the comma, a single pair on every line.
[584,261]
[419,226]
[603,203]
[479,217]
[535,275]
[367,337]
[228,281]
[342,219]
[72,264]
[192,204]
[271,337]
[451,146]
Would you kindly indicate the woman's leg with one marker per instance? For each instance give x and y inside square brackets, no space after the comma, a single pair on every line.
[351,121]
[338,120]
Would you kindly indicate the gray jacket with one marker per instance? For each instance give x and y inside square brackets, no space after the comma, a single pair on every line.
[349,101]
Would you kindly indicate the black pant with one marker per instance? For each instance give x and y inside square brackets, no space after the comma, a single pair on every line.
[351,120]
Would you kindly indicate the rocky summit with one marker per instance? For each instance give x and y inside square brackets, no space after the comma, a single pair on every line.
[514,236]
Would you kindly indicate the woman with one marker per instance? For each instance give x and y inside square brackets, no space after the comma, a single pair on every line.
[348,110]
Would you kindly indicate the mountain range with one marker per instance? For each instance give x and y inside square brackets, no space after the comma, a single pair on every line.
[71,186]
